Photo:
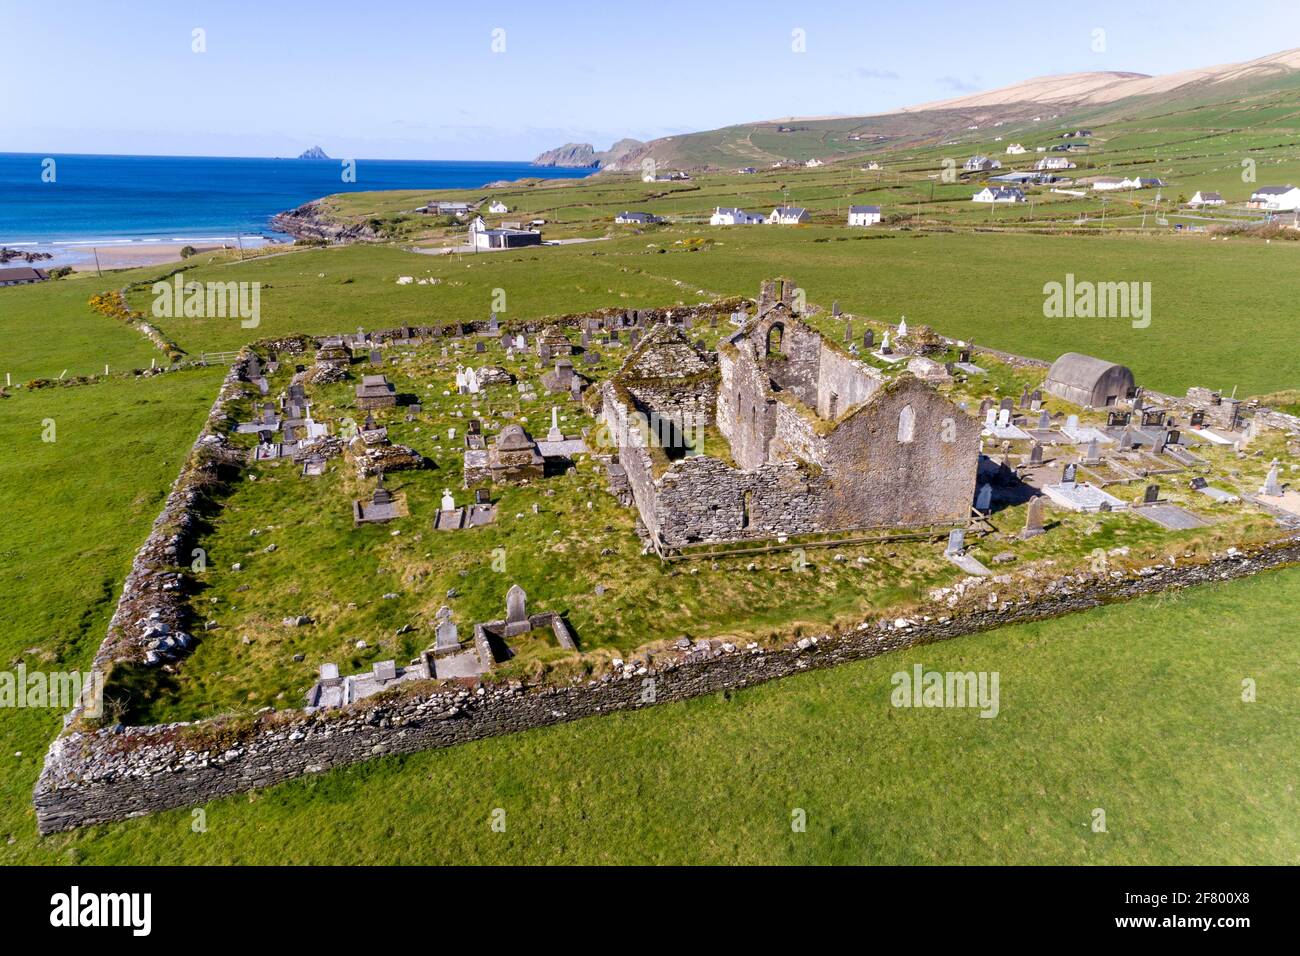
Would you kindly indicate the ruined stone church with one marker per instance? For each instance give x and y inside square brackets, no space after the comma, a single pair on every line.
[819,441]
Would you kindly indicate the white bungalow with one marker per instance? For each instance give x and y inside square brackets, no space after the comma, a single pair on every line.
[864,215]
[1207,199]
[731,216]
[1015,149]
[1053,162]
[497,206]
[1104,184]
[995,194]
[637,218]
[1285,198]
[814,162]
[787,216]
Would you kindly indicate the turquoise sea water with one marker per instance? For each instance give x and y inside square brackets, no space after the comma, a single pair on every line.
[115,199]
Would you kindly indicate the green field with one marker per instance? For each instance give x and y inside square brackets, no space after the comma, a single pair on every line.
[1219,317]
[1134,709]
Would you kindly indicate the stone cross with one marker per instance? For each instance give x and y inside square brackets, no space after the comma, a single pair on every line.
[555,434]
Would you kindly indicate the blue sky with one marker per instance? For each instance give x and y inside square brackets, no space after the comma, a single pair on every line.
[420,80]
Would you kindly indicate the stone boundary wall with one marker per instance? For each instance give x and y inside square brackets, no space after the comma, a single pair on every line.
[105,775]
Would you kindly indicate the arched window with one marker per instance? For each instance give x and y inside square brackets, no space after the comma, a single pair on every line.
[774,336]
[906,424]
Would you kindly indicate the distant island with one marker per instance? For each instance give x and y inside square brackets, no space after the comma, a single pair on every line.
[314,153]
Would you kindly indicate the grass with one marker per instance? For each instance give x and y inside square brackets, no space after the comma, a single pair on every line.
[1135,709]
[76,511]
[984,287]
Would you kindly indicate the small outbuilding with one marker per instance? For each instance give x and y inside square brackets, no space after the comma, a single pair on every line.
[1089,382]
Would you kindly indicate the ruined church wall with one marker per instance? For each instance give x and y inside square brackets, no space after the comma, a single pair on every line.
[101,776]
[745,414]
[847,379]
[703,499]
[875,477]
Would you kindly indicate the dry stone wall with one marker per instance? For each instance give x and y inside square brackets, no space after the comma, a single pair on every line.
[112,774]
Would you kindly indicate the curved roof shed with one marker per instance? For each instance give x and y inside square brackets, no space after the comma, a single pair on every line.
[1088,381]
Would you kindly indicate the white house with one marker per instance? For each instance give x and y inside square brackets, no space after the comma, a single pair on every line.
[730,216]
[994,194]
[1285,198]
[1104,184]
[637,218]
[871,165]
[1207,199]
[1053,162]
[787,216]
[864,215]
[497,206]
[979,163]
[1015,149]
[814,162]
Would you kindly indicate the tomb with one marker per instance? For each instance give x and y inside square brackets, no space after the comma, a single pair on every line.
[375,391]
[382,506]
[1089,382]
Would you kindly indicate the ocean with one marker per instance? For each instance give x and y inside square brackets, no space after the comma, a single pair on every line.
[115,200]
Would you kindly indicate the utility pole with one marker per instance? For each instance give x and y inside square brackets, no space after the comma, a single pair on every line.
[97,272]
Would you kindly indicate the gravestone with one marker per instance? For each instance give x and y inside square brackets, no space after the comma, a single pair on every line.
[1006,405]
[1068,474]
[482,496]
[1036,454]
[1033,518]
[1199,483]
[985,406]
[868,339]
[1126,440]
[1092,454]
[1174,437]
[480,347]
[1198,419]
[385,670]
[475,426]
[963,356]
[1004,417]
[956,542]
[1044,419]
[493,324]
[990,418]
[1072,422]
[1151,495]
[447,638]
[516,611]
[376,357]
[1272,486]
[835,309]
[1024,397]
[848,331]
[984,498]
[448,502]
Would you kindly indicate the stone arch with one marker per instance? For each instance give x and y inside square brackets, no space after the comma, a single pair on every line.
[906,424]
[776,331]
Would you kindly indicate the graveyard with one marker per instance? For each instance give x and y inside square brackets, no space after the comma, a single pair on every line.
[441,506]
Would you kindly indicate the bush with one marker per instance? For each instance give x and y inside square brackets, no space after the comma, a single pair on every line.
[187,251]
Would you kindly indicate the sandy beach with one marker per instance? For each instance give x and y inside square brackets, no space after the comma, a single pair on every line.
[128,256]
